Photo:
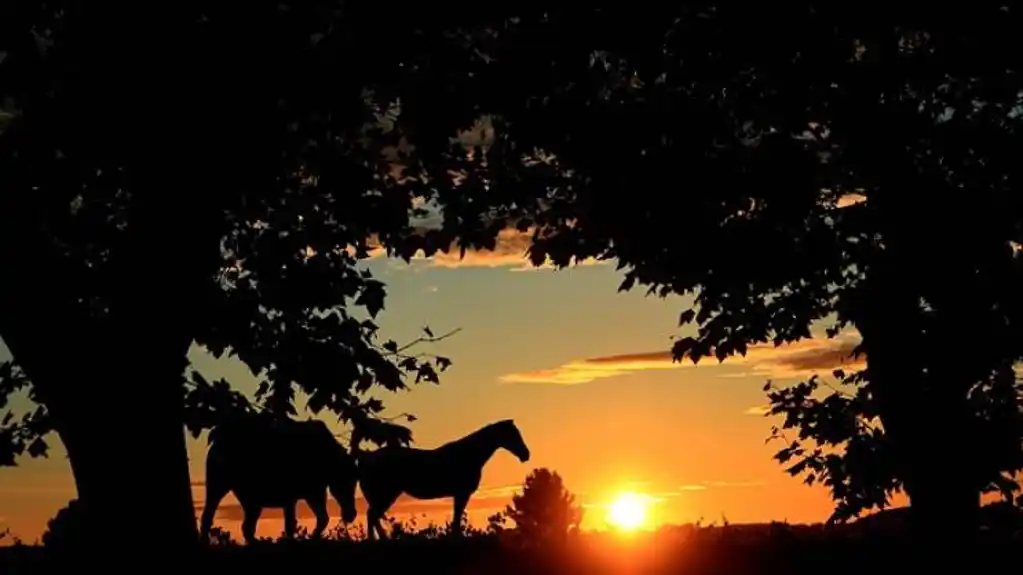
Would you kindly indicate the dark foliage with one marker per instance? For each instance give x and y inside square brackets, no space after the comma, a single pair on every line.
[225,193]
[545,511]
[765,548]
[216,183]
[786,167]
[61,528]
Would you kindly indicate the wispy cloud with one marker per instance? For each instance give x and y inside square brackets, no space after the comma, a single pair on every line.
[787,361]
[758,410]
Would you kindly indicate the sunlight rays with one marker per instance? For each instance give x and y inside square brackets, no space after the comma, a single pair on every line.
[629,512]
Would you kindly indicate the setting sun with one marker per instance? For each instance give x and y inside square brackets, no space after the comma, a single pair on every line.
[628,512]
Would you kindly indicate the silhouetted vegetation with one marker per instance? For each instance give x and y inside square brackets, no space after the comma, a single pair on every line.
[222,193]
[697,549]
[63,530]
[820,165]
[545,511]
[825,163]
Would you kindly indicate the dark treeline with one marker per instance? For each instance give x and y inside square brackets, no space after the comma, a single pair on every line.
[205,174]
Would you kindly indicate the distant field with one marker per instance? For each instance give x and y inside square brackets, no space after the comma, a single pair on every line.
[739,549]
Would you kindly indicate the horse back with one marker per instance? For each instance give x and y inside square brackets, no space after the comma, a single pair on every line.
[421,473]
[270,465]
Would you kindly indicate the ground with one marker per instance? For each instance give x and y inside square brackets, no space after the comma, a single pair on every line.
[745,549]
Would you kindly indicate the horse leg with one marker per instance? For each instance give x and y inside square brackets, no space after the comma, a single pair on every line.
[318,503]
[375,529]
[215,492]
[379,503]
[290,521]
[461,501]
[252,514]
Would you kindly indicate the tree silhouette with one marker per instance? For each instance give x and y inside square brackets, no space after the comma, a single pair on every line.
[63,529]
[825,165]
[221,193]
[545,510]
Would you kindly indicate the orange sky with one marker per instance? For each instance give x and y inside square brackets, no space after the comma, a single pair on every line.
[585,373]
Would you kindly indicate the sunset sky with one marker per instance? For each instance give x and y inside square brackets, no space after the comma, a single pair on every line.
[585,373]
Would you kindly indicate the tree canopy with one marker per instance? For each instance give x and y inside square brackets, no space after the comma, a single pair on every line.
[225,192]
[211,176]
[813,164]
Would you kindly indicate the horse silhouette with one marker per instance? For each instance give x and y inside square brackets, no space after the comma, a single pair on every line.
[451,470]
[274,464]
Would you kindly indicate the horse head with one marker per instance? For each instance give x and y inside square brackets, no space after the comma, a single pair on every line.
[509,437]
[340,467]
[343,477]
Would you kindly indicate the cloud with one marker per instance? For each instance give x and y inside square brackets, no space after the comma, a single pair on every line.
[734,484]
[705,485]
[758,410]
[799,359]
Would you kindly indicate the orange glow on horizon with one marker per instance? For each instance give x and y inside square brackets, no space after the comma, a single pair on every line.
[629,512]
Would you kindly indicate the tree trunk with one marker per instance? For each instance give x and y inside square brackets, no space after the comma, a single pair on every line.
[131,471]
[925,420]
[121,423]
[945,506]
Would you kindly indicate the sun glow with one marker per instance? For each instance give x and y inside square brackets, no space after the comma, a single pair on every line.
[628,512]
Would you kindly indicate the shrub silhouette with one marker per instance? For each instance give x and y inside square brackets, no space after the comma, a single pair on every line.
[545,510]
[65,527]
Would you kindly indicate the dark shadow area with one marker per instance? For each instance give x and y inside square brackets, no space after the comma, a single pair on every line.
[538,532]
[740,549]
[215,177]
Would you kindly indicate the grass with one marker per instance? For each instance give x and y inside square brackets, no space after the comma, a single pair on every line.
[739,549]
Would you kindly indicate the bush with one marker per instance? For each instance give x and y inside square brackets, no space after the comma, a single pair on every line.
[65,527]
[545,511]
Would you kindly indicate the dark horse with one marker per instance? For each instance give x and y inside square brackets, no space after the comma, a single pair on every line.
[273,463]
[451,470]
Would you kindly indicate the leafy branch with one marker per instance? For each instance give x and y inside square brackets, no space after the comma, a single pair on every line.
[839,443]
[27,433]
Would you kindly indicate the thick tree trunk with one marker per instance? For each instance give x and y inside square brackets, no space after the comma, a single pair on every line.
[120,420]
[925,420]
[131,472]
[945,506]
[112,378]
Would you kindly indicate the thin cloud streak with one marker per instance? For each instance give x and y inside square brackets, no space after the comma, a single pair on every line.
[799,359]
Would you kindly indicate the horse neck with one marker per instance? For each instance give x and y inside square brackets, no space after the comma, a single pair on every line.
[478,447]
